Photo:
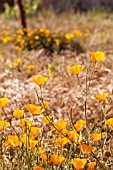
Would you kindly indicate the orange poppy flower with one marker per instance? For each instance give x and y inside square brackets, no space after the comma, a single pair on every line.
[30,68]
[34,131]
[91,165]
[76,69]
[38,168]
[79,163]
[60,124]
[86,149]
[3,102]
[81,140]
[73,135]
[34,110]
[43,157]
[18,113]
[45,105]
[41,150]
[97,56]
[57,159]
[40,80]
[79,124]
[101,96]
[61,141]
[97,136]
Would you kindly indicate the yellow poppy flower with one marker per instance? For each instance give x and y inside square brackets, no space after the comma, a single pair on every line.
[12,141]
[0,57]
[32,143]
[4,124]
[24,138]
[76,69]
[17,62]
[34,110]
[69,37]
[46,119]
[36,37]
[79,163]
[101,96]
[109,122]
[86,149]
[40,80]
[57,41]
[24,123]
[78,33]
[3,102]
[97,56]
[18,113]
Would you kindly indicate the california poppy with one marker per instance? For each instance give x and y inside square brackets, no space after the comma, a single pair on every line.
[97,56]
[18,113]
[76,69]
[101,96]
[34,110]
[79,163]
[40,80]
[3,102]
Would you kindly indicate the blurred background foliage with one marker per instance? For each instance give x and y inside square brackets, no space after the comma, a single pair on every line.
[10,7]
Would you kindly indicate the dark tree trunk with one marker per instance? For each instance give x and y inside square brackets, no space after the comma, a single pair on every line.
[22,14]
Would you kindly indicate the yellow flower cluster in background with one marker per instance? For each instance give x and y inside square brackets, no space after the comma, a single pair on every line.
[43,38]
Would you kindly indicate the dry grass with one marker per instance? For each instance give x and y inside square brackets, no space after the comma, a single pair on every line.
[62,90]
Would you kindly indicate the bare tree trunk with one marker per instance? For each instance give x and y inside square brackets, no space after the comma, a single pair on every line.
[22,13]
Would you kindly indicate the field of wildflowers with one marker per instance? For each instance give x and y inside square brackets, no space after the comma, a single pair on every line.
[56,108]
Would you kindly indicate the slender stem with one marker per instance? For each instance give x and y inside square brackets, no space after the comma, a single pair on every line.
[85,102]
[71,118]
[80,84]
